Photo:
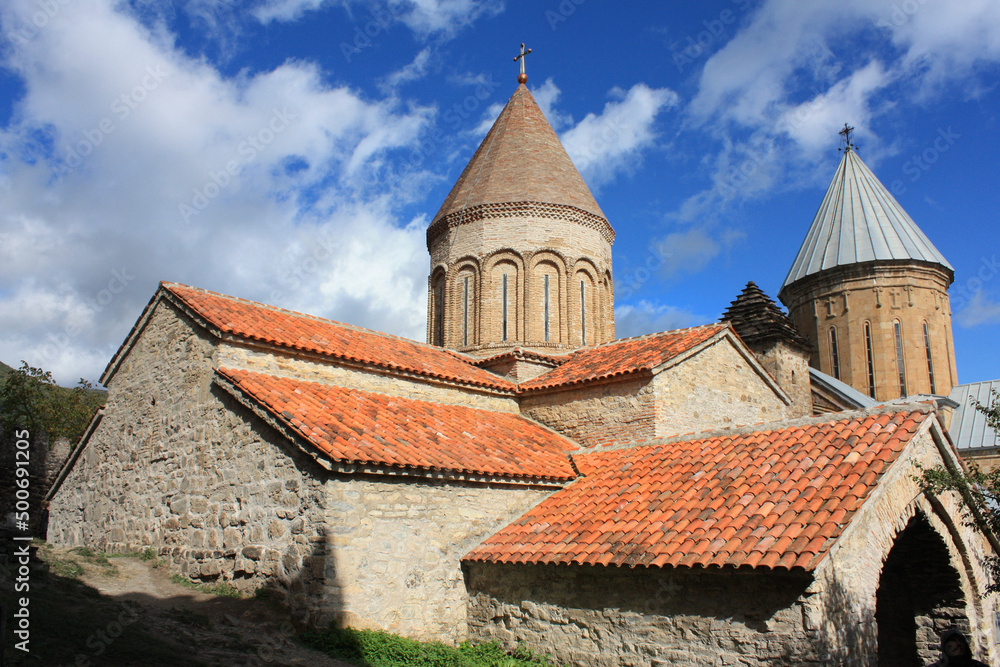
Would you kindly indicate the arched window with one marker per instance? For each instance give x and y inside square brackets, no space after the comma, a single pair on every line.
[437,309]
[465,310]
[583,312]
[870,359]
[546,305]
[930,364]
[463,328]
[835,352]
[900,366]
[504,295]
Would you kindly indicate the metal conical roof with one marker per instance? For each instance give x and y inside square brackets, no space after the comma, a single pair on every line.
[520,160]
[859,221]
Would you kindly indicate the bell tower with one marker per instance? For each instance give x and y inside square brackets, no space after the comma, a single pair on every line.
[870,291]
[520,250]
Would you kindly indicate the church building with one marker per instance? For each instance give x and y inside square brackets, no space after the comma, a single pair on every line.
[699,496]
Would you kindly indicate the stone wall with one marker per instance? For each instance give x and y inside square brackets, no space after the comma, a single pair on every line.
[789,365]
[716,388]
[483,250]
[846,297]
[850,578]
[179,466]
[623,410]
[986,459]
[395,546]
[644,617]
[287,365]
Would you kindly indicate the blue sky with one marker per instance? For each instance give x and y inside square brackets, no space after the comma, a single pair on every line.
[294,151]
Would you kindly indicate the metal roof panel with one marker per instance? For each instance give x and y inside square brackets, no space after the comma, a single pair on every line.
[968,425]
[859,221]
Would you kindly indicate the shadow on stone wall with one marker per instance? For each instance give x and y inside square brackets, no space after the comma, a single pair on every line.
[607,615]
[845,640]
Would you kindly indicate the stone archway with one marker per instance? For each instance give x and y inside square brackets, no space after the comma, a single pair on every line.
[919,596]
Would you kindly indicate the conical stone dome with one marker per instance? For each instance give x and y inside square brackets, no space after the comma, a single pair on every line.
[520,160]
[520,249]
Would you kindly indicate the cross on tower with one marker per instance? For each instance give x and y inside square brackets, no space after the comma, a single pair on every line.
[847,132]
[522,77]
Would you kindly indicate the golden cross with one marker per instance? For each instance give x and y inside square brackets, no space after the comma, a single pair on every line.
[520,57]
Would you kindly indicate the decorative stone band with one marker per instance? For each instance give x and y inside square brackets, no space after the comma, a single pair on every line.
[521,208]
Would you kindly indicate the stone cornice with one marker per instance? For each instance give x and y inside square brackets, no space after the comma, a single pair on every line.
[520,209]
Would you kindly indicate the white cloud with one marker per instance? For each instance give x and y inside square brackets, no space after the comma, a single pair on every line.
[546,95]
[602,146]
[774,95]
[288,187]
[423,17]
[428,17]
[645,317]
[288,10]
[413,71]
[981,309]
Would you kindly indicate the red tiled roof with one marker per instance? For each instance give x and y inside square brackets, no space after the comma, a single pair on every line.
[260,323]
[621,357]
[773,499]
[352,426]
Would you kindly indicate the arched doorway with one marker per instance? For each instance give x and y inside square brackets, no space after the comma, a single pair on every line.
[919,596]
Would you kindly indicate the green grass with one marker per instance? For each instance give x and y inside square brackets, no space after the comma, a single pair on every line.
[221,588]
[77,560]
[371,648]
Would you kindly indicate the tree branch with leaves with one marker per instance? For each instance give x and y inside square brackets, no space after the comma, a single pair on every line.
[30,398]
[978,491]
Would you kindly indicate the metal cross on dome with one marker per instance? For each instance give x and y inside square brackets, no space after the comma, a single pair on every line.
[847,132]
[522,77]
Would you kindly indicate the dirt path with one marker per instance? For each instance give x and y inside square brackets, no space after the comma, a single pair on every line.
[131,613]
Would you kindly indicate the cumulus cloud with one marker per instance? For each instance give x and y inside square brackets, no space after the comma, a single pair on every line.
[773,96]
[602,146]
[645,317]
[127,162]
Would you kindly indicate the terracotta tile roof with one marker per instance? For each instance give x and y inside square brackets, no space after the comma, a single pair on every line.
[624,356]
[257,322]
[352,426]
[771,498]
